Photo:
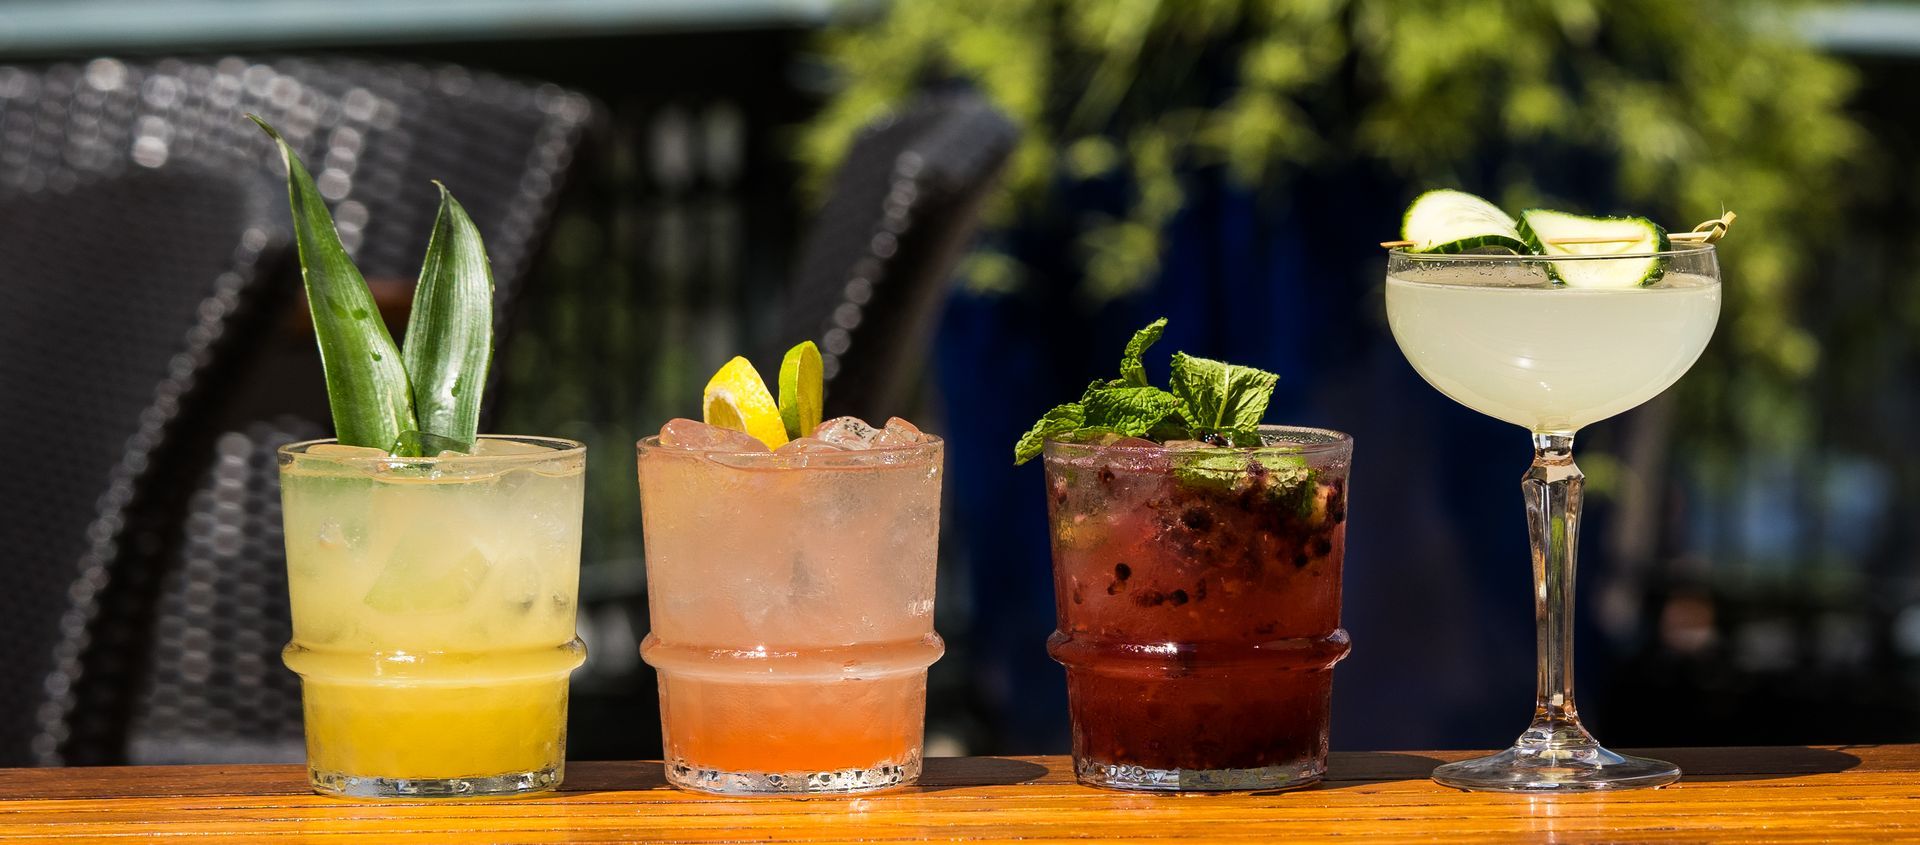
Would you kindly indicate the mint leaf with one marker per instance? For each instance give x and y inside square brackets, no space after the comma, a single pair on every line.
[1131,411]
[1212,401]
[1277,476]
[1100,384]
[1132,371]
[1061,419]
[1220,469]
[1219,395]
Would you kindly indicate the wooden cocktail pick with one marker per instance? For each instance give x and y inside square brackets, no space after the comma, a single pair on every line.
[1707,232]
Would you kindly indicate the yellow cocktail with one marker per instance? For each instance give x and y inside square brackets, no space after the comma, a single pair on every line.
[433,614]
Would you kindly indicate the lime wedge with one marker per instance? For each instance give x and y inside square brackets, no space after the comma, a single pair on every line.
[738,399]
[801,388]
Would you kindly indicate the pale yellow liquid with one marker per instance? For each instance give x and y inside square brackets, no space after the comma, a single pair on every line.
[433,618]
[1553,359]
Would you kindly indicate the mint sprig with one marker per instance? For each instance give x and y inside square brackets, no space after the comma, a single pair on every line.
[1210,399]
[1222,399]
[1132,371]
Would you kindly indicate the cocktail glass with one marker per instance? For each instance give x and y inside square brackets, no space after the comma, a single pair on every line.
[791,598]
[433,614]
[1494,333]
[1198,592]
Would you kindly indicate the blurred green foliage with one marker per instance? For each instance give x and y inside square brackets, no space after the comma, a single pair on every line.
[1691,108]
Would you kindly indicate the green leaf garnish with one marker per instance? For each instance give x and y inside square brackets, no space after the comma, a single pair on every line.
[449,342]
[1131,370]
[1221,396]
[367,387]
[1060,420]
[1222,403]
[1131,411]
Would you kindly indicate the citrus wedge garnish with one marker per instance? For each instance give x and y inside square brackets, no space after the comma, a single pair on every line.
[736,398]
[801,388]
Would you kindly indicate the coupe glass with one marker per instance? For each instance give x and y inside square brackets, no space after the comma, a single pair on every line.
[1495,333]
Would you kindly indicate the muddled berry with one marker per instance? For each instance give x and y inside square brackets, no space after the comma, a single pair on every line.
[1197,519]
[1122,571]
[1300,560]
[1322,547]
[1178,597]
[1150,598]
[1106,475]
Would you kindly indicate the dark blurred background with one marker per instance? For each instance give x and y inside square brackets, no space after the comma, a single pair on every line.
[970,206]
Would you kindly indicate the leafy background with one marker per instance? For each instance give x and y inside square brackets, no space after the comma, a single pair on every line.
[1687,107]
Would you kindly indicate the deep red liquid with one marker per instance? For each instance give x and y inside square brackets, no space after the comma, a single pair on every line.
[1199,624]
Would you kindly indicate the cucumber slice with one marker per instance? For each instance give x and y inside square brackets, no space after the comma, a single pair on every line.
[1456,221]
[1637,235]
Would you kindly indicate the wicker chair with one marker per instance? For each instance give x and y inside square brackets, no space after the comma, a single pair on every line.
[877,263]
[145,253]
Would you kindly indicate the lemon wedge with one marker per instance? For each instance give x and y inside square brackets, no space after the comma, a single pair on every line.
[801,388]
[736,398]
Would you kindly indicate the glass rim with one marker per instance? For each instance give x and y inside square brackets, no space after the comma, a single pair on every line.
[1675,251]
[844,459]
[560,447]
[1334,442]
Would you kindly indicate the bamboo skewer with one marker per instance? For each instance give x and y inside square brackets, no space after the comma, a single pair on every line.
[1707,232]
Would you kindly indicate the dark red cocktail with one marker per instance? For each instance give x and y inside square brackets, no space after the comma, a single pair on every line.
[1198,590]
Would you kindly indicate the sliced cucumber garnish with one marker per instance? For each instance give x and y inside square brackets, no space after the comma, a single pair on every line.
[1550,232]
[1456,221]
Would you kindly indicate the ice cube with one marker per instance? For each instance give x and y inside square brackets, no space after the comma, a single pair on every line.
[1188,445]
[899,433]
[424,576]
[495,448]
[689,434]
[342,450]
[807,446]
[796,453]
[847,433]
[1134,443]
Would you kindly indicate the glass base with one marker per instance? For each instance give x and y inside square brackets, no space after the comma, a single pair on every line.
[1581,768]
[490,786]
[1141,778]
[835,782]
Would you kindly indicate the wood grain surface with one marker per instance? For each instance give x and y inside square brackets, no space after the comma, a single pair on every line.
[1795,794]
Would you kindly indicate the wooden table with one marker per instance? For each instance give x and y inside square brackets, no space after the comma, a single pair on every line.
[1842,793]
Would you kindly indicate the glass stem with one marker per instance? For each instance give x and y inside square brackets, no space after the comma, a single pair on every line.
[1552,487]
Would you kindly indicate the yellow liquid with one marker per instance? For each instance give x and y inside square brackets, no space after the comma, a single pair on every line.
[475,715]
[433,617]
